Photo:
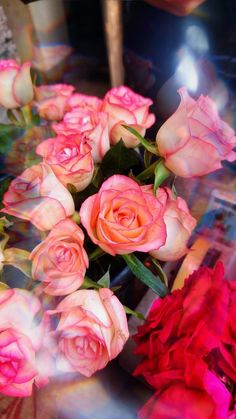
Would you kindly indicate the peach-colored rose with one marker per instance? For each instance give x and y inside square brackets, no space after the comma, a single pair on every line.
[91,332]
[60,260]
[179,8]
[16,87]
[38,196]
[21,339]
[179,226]
[70,159]
[52,100]
[124,217]
[93,124]
[194,140]
[126,107]
[78,100]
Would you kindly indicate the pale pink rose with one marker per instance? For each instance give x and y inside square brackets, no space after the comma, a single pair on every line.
[93,124]
[124,217]
[52,100]
[78,100]
[194,140]
[16,87]
[70,159]
[21,339]
[38,196]
[91,332]
[126,107]
[179,226]
[60,261]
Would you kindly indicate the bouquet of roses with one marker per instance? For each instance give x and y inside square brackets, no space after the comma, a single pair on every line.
[97,192]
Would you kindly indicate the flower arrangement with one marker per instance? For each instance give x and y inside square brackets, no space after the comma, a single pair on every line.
[100,196]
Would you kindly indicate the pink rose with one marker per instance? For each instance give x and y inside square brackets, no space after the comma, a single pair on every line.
[91,332]
[70,159]
[93,124]
[126,107]
[60,260]
[16,87]
[179,226]
[194,140]
[38,196]
[78,100]
[124,217]
[52,100]
[21,341]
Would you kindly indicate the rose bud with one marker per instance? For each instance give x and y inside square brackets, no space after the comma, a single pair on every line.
[126,107]
[70,159]
[60,260]
[16,87]
[194,140]
[93,124]
[52,100]
[92,330]
[38,196]
[179,226]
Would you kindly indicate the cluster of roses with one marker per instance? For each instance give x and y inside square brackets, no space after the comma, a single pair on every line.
[188,345]
[121,218]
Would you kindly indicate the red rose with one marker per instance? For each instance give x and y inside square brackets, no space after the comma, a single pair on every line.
[189,341]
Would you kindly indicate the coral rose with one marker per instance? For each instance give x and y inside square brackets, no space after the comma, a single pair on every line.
[179,226]
[194,140]
[52,100]
[91,332]
[86,102]
[21,341]
[124,217]
[60,260]
[70,159]
[38,196]
[16,87]
[126,107]
[93,124]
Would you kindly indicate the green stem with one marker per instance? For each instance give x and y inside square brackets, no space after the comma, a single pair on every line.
[97,253]
[26,111]
[151,148]
[145,275]
[147,172]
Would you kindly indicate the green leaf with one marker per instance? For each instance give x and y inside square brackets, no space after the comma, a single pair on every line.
[7,134]
[134,313]
[104,281]
[89,283]
[161,173]
[160,272]
[146,144]
[146,276]
[119,160]
[18,258]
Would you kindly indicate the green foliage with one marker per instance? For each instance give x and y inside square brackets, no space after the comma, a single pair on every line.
[119,160]
[104,281]
[8,133]
[145,275]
